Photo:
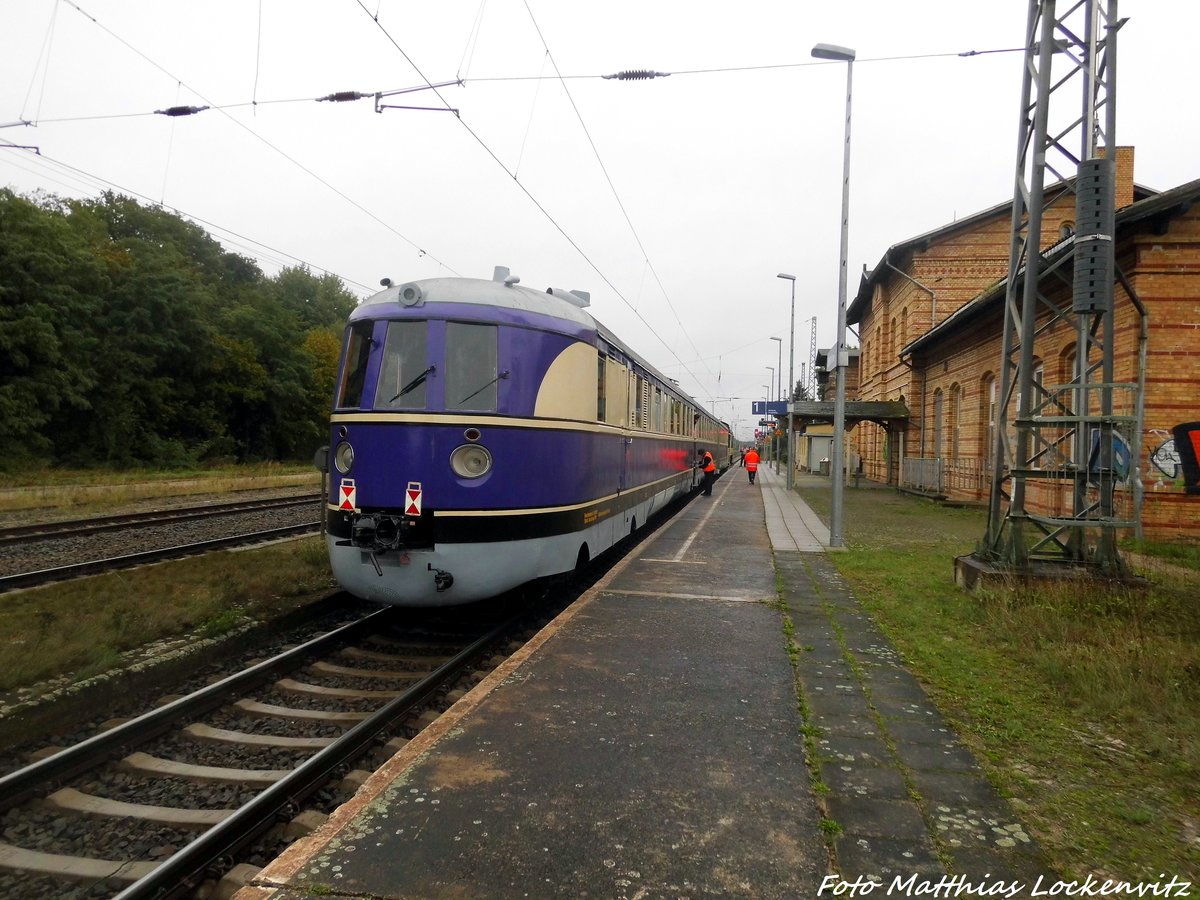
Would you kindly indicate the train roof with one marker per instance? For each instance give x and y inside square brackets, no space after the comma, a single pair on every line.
[483,292]
[499,292]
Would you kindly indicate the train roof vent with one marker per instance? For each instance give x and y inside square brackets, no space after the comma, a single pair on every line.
[501,273]
[582,299]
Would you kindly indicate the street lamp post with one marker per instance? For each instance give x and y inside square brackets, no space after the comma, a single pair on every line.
[768,396]
[846,55]
[779,341]
[779,396]
[774,439]
[791,379]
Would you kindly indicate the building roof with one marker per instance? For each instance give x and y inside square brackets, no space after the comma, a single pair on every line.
[821,363]
[1166,204]
[897,253]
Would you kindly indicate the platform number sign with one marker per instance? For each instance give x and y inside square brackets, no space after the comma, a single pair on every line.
[412,499]
[347,495]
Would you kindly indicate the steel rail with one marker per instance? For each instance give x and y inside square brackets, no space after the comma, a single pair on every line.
[184,871]
[93,567]
[18,786]
[46,530]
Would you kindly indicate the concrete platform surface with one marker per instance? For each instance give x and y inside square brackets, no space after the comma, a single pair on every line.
[649,743]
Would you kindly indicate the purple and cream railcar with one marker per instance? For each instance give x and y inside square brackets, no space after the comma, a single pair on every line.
[484,435]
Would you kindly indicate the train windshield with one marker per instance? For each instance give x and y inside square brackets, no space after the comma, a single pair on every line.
[472,378]
[354,373]
[404,369]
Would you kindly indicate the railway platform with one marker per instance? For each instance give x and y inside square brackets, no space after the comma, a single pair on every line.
[659,740]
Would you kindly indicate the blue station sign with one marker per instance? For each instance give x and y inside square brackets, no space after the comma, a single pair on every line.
[768,407]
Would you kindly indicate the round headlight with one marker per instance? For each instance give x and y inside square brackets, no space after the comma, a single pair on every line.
[343,457]
[470,461]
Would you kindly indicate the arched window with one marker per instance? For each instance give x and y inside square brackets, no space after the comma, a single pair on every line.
[1038,397]
[954,418]
[987,419]
[937,423]
[1066,364]
[1066,367]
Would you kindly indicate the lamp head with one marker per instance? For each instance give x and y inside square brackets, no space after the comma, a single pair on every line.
[788,277]
[833,51]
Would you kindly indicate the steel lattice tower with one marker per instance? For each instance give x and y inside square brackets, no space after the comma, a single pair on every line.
[811,384]
[1061,433]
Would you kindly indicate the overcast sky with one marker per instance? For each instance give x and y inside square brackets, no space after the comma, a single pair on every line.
[722,175]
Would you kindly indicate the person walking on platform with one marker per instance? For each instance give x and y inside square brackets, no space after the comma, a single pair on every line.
[752,463]
[709,467]
[743,462]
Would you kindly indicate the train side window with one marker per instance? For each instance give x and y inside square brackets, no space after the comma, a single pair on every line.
[472,379]
[404,370]
[616,392]
[354,371]
[600,387]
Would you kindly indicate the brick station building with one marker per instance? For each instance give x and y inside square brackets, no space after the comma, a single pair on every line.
[930,316]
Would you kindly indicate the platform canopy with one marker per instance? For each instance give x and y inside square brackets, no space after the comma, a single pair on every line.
[887,413]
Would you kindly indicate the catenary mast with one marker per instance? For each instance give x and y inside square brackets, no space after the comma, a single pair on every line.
[1052,435]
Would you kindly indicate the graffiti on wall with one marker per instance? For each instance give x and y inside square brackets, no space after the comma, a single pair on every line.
[1119,457]
[1165,457]
[1187,445]
[1174,457]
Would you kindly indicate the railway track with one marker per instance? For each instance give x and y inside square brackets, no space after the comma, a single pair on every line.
[102,544]
[128,560]
[198,783]
[46,530]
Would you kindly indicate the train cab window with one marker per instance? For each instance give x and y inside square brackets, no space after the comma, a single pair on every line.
[472,376]
[404,370]
[354,374]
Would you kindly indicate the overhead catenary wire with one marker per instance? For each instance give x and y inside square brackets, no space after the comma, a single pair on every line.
[465,81]
[257,56]
[540,207]
[464,64]
[43,58]
[537,203]
[647,74]
[529,124]
[612,187]
[309,172]
[90,180]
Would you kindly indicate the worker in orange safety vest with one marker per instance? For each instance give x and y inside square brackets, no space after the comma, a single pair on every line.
[709,467]
[752,463]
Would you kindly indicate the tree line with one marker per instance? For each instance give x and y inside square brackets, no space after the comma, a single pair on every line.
[130,337]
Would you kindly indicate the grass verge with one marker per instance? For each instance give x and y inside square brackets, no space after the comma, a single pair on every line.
[100,490]
[80,628]
[1082,704]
